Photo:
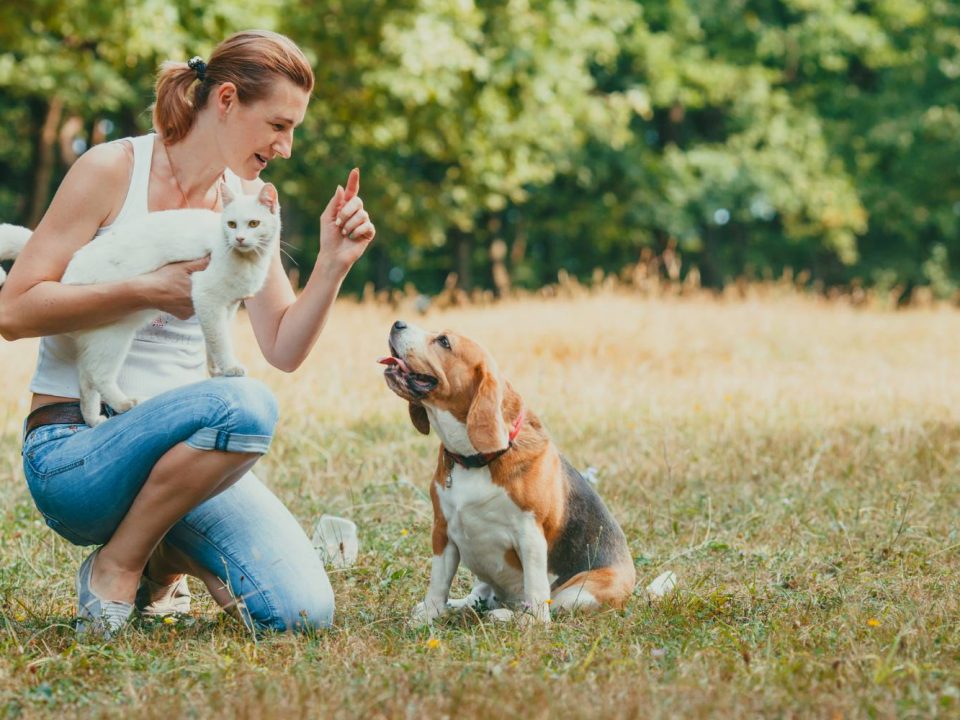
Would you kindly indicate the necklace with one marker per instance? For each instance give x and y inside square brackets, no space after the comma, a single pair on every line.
[183,195]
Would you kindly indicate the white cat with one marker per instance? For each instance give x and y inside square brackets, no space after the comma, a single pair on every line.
[12,240]
[240,242]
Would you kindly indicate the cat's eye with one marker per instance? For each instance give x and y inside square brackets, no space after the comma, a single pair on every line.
[253,223]
[443,341]
[232,224]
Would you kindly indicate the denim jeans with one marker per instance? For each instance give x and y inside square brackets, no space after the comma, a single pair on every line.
[84,480]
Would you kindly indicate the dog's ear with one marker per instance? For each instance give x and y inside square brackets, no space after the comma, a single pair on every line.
[485,426]
[418,416]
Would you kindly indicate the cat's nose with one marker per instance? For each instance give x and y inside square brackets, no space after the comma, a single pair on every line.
[240,241]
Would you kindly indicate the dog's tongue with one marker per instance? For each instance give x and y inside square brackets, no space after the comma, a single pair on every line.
[390,360]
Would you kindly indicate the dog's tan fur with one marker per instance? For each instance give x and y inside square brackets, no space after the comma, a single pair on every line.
[532,473]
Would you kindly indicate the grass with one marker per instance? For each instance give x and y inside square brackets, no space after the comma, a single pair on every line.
[793,461]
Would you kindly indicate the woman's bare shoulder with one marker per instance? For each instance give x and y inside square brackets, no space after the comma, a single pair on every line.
[89,196]
[110,161]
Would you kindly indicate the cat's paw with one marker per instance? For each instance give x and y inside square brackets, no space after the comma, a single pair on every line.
[235,371]
[122,406]
[94,421]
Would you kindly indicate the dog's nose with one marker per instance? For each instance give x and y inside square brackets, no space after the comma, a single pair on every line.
[399,325]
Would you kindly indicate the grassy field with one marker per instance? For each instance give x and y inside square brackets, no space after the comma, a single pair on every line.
[794,462]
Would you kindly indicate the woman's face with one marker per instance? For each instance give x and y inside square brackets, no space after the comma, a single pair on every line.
[253,135]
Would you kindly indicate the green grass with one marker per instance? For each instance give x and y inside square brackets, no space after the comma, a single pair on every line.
[794,462]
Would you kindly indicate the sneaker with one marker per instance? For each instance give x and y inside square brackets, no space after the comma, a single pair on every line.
[158,601]
[96,615]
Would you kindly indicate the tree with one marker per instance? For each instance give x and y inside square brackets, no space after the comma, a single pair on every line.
[574,133]
[461,108]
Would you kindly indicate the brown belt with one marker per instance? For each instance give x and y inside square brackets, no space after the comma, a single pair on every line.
[62,413]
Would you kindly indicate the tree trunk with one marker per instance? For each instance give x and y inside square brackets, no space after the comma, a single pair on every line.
[710,270]
[498,268]
[463,247]
[381,267]
[45,160]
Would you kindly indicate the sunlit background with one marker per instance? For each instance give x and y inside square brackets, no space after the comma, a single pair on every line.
[743,137]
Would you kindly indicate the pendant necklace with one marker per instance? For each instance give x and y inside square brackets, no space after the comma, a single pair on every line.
[183,195]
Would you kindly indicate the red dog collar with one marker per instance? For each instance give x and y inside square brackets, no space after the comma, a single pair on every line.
[483,459]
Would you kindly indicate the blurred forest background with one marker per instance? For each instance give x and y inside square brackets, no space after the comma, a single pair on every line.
[744,137]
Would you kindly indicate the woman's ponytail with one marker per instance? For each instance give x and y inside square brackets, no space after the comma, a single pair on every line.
[175,109]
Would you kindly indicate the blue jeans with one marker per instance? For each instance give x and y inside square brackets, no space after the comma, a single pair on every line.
[84,480]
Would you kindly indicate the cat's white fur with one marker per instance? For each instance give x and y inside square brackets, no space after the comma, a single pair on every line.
[240,242]
[12,240]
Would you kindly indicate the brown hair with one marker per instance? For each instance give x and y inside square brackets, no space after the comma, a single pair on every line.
[252,60]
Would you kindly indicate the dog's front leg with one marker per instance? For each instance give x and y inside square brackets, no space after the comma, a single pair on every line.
[481,592]
[442,572]
[533,558]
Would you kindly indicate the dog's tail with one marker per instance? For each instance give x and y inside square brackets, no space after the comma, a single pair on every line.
[12,240]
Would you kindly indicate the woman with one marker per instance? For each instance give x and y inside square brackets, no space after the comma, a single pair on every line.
[166,488]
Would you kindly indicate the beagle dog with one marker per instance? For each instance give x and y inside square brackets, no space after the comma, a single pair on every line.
[506,504]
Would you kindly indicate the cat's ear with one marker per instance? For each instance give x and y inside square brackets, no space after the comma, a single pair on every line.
[226,194]
[268,198]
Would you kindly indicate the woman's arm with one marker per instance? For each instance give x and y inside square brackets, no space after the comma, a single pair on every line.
[33,302]
[287,326]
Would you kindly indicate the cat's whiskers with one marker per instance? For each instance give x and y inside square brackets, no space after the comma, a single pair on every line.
[256,250]
[289,257]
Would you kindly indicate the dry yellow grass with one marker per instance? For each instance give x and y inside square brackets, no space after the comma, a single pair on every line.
[795,462]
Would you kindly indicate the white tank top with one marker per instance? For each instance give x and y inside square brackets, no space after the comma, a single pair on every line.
[166,352]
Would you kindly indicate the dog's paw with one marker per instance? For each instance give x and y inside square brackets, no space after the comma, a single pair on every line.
[424,613]
[463,603]
[537,613]
[528,620]
[235,371]
[501,615]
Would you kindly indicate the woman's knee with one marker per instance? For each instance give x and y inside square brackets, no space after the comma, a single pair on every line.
[249,402]
[241,416]
[304,607]
[273,572]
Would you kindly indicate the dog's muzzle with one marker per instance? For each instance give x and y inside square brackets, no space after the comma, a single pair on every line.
[401,379]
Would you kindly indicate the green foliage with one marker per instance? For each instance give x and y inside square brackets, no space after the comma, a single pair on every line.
[817,135]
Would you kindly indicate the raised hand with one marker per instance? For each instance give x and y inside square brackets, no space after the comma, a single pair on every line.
[345,227]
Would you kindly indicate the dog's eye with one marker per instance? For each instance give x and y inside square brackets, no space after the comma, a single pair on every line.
[443,341]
